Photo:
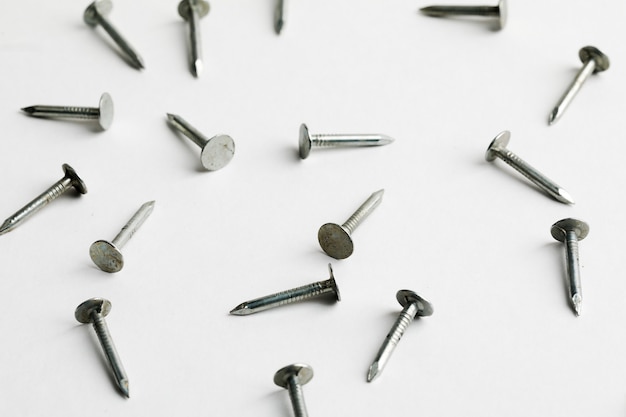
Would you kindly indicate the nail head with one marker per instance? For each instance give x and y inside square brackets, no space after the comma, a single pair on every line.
[83,311]
[184,8]
[217,152]
[590,52]
[98,7]
[335,241]
[303,372]
[405,297]
[559,229]
[106,111]
[500,141]
[106,256]
[304,141]
[77,182]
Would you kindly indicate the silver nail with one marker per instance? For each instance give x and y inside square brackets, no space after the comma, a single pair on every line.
[499,12]
[71,179]
[571,231]
[293,377]
[96,14]
[107,255]
[335,239]
[103,113]
[413,306]
[94,311]
[594,61]
[305,292]
[216,152]
[307,141]
[192,11]
[497,149]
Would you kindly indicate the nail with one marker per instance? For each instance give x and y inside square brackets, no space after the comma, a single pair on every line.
[594,61]
[413,306]
[571,231]
[293,377]
[497,149]
[192,11]
[71,179]
[279,16]
[216,152]
[305,292]
[103,113]
[107,255]
[335,240]
[96,14]
[499,12]
[94,311]
[307,141]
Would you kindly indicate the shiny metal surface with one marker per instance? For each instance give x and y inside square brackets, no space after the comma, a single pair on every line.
[95,15]
[71,179]
[216,153]
[594,61]
[316,289]
[293,377]
[570,231]
[413,306]
[336,239]
[103,113]
[94,311]
[307,141]
[107,255]
[497,149]
[192,11]
[499,13]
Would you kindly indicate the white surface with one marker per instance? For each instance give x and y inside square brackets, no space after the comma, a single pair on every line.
[471,237]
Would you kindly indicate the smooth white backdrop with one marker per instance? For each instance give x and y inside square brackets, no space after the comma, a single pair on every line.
[470,236]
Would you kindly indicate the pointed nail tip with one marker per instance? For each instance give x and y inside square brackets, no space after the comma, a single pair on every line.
[240,310]
[372,373]
[29,110]
[197,68]
[125,389]
[553,117]
[565,197]
[5,228]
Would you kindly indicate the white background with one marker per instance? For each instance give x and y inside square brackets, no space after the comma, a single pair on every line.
[470,236]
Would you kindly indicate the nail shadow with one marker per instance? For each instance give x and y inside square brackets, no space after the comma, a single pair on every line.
[106,39]
[559,256]
[91,339]
[190,145]
[91,125]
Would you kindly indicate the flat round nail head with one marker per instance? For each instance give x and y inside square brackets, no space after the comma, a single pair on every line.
[500,141]
[335,241]
[504,13]
[77,182]
[304,141]
[303,372]
[106,256]
[106,111]
[591,52]
[84,310]
[559,229]
[333,283]
[98,7]
[405,297]
[184,8]
[217,152]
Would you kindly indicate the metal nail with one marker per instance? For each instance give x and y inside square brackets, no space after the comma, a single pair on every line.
[216,152]
[594,61]
[96,14]
[571,231]
[192,11]
[497,149]
[70,179]
[499,12]
[279,15]
[413,306]
[335,239]
[293,377]
[107,255]
[103,113]
[307,141]
[305,292]
[94,311]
